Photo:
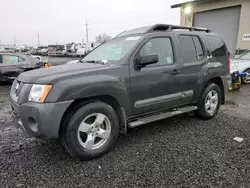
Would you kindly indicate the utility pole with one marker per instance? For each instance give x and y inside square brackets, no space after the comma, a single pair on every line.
[38,39]
[87,36]
[14,41]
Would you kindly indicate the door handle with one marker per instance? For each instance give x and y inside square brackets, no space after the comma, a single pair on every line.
[175,72]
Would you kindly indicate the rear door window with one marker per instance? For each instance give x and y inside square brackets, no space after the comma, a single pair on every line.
[20,59]
[187,48]
[199,49]
[217,47]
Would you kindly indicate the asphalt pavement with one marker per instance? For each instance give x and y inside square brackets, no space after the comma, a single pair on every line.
[182,151]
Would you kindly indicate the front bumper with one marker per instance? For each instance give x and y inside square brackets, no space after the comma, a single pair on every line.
[39,120]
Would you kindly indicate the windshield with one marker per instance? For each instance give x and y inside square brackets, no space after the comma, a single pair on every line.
[113,50]
[245,56]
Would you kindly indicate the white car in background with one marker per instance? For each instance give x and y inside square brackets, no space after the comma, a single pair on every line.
[242,62]
[81,52]
[34,56]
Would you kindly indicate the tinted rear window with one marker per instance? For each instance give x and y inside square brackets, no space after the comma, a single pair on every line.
[217,47]
[187,48]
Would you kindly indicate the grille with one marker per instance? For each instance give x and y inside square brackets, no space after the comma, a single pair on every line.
[20,91]
[15,90]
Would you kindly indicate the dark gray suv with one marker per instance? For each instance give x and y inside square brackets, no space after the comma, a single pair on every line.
[141,76]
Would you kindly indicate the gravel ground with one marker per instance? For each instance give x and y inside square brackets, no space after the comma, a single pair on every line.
[179,152]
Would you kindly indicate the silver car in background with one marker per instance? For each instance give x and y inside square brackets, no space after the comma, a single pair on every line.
[13,64]
[243,65]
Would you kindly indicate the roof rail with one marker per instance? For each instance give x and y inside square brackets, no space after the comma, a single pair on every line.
[160,27]
[166,27]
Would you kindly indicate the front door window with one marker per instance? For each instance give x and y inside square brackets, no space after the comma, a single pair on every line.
[7,59]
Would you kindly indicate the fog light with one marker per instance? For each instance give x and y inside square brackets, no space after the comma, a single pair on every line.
[33,124]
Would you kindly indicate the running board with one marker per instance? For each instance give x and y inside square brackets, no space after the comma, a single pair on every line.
[160,116]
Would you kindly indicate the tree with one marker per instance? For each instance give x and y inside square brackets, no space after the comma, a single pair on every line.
[101,38]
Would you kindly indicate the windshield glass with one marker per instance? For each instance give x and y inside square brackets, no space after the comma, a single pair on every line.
[113,50]
[245,56]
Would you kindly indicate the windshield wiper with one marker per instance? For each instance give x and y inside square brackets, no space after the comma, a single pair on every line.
[81,61]
[98,62]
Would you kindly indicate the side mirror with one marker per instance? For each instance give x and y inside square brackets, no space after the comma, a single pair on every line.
[148,59]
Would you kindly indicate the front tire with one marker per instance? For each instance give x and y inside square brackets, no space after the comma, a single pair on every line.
[209,103]
[91,132]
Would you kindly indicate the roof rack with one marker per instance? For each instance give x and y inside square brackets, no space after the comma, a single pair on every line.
[160,27]
[165,27]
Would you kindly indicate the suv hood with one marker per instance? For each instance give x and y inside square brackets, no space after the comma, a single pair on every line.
[48,75]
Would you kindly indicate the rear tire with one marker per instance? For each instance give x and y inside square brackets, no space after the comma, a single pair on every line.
[209,103]
[91,132]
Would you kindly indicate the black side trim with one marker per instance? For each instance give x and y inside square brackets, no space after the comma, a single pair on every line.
[164,98]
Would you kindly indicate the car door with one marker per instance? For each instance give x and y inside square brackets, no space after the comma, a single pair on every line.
[155,86]
[11,65]
[194,58]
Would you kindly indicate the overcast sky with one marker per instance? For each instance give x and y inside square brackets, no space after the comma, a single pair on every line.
[63,21]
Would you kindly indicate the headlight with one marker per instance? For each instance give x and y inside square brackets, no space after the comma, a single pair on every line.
[38,93]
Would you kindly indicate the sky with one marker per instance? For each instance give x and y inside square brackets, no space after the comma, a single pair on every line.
[63,21]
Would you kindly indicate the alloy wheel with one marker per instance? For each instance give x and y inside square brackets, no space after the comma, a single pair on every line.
[94,131]
[211,101]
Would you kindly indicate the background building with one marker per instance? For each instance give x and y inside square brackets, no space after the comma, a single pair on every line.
[228,18]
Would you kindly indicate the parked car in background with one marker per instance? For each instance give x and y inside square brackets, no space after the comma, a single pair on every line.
[43,50]
[29,53]
[141,76]
[57,50]
[81,52]
[11,65]
[243,65]
[74,49]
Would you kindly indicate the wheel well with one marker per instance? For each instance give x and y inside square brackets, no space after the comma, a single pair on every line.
[246,70]
[78,103]
[219,82]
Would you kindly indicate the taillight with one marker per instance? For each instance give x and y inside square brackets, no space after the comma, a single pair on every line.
[228,59]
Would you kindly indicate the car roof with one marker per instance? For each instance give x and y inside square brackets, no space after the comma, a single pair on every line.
[7,53]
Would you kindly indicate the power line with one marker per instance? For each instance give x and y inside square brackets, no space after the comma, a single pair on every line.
[87,35]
